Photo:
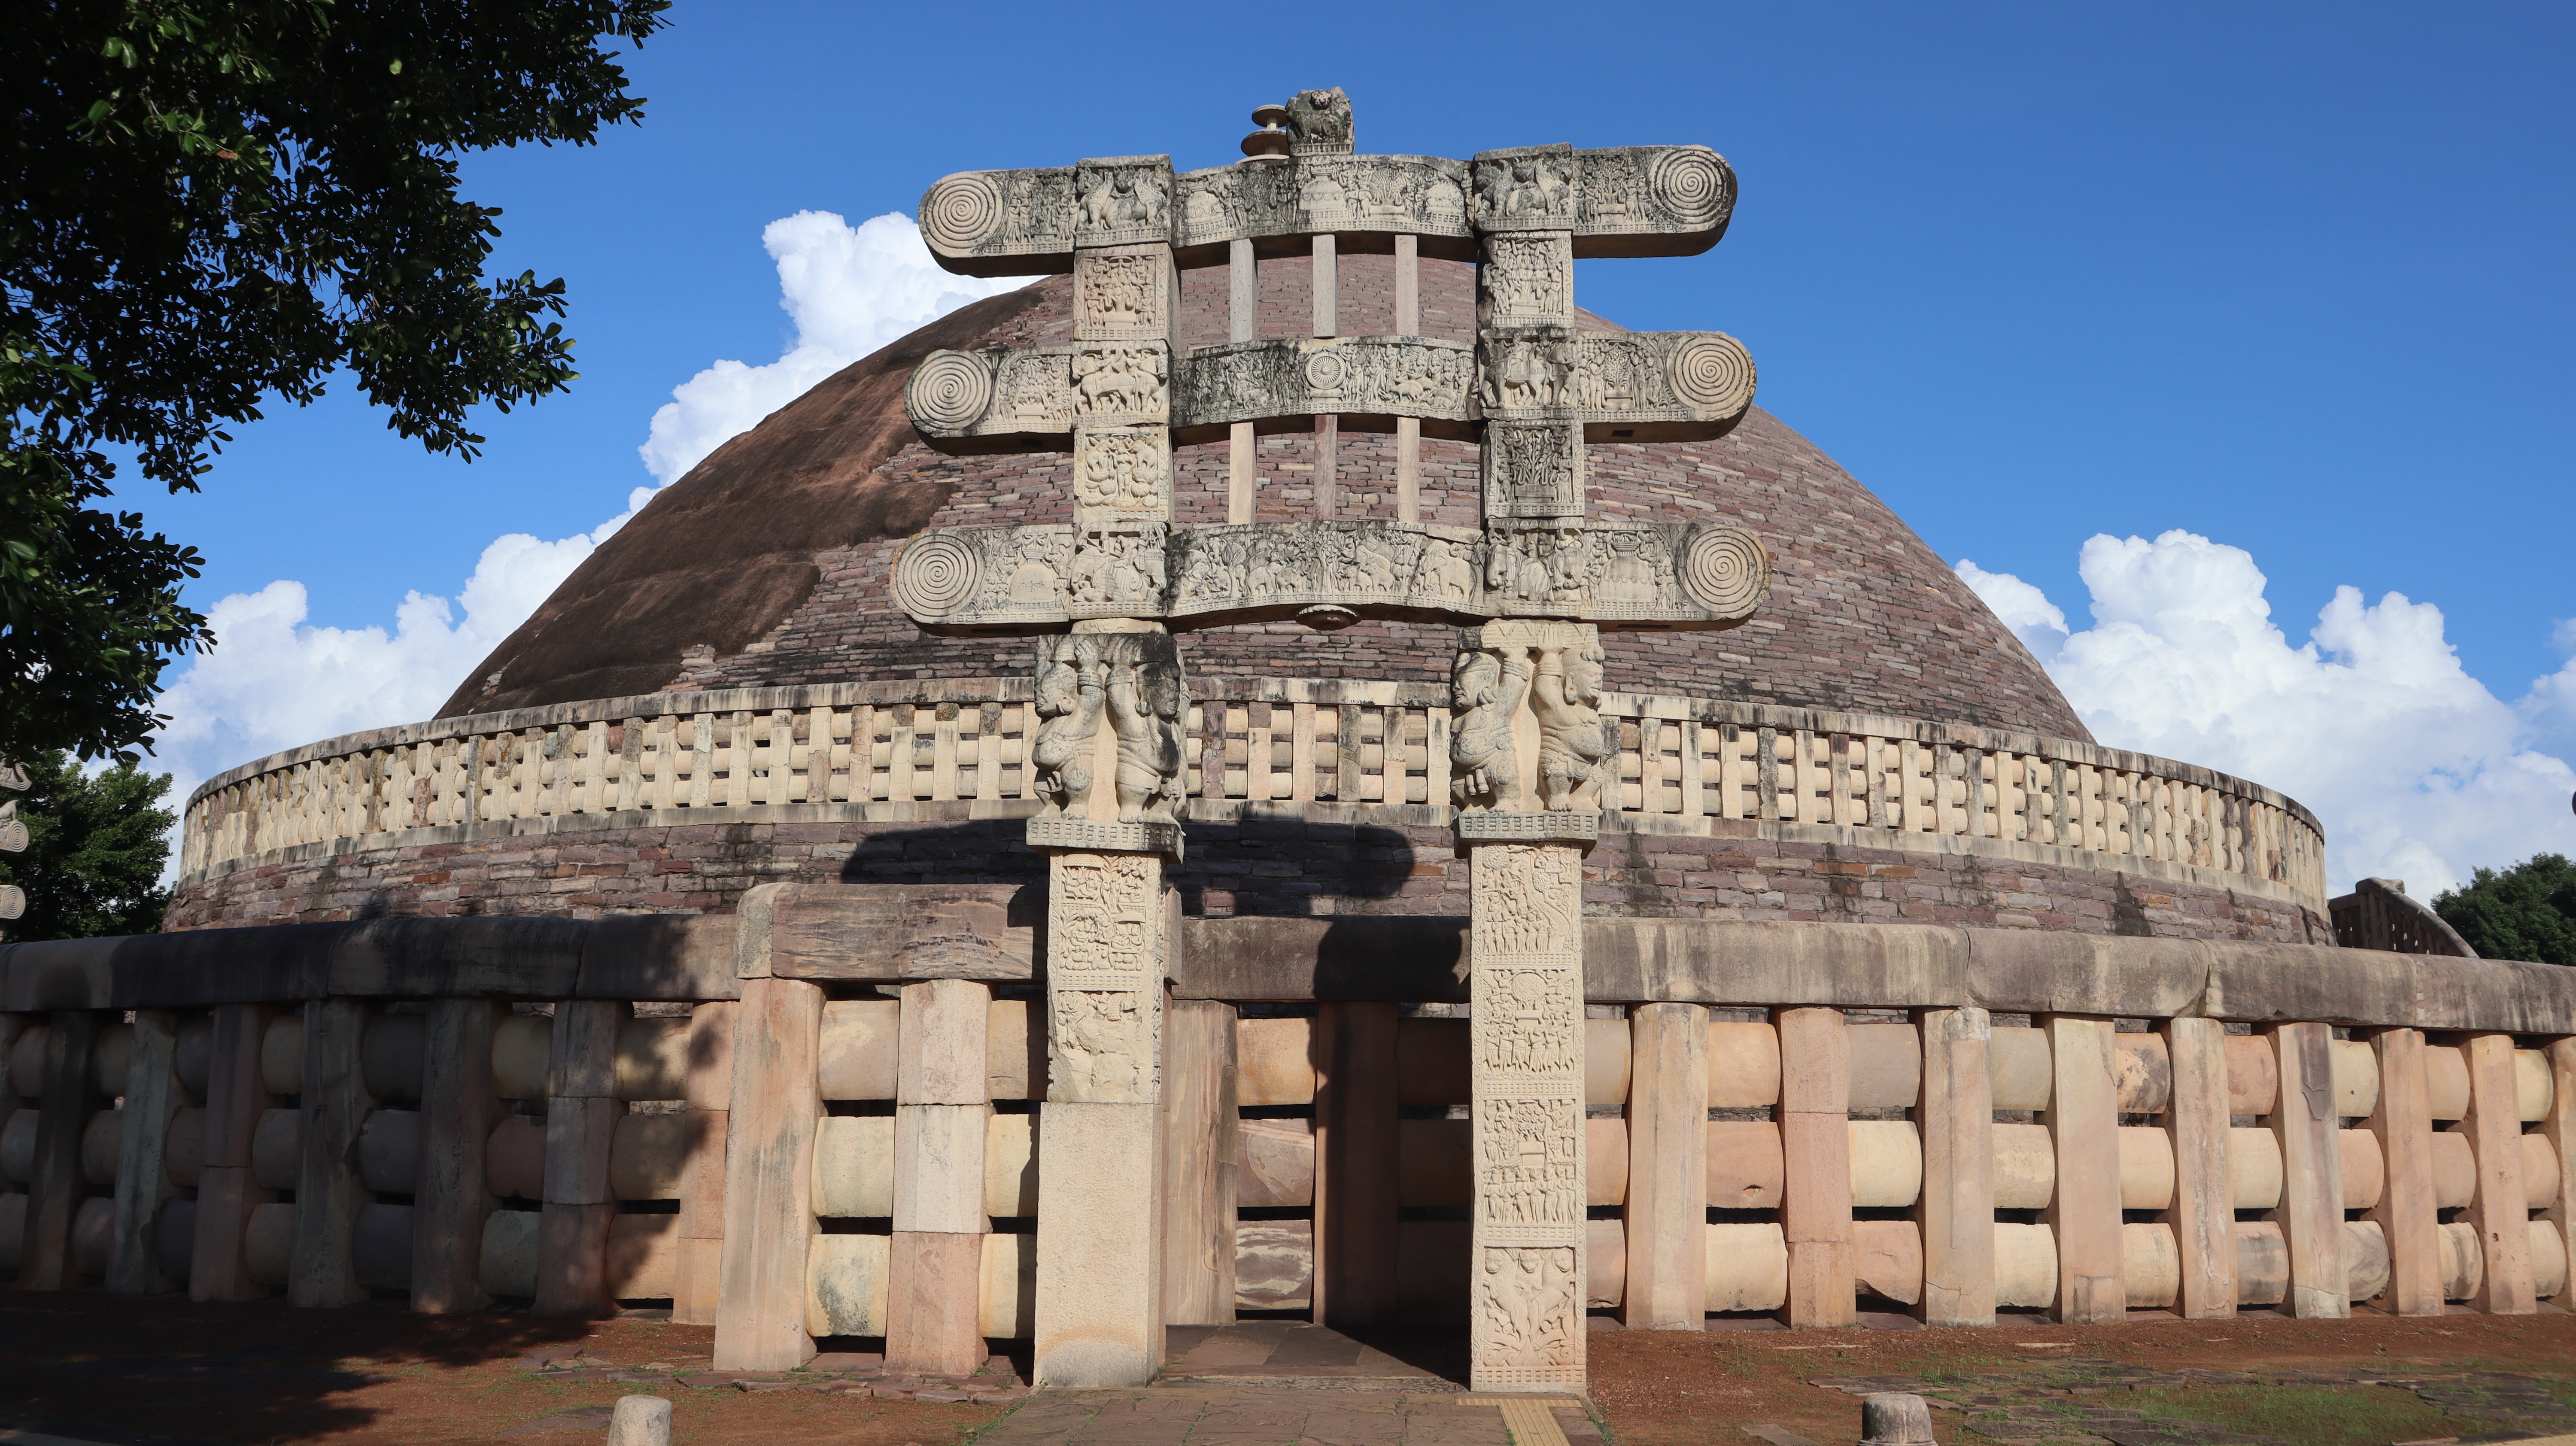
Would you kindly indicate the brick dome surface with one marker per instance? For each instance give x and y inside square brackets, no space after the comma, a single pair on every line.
[768,564]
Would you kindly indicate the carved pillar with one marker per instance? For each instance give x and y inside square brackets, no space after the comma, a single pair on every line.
[1109,761]
[1100,1201]
[1526,761]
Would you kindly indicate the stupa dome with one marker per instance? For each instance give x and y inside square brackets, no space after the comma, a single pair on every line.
[769,564]
[726,693]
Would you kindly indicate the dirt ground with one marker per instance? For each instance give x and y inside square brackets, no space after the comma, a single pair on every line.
[1659,1388]
[166,1371]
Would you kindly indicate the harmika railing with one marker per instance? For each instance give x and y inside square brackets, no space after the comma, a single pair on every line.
[1285,740]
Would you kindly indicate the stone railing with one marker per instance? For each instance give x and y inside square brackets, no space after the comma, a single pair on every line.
[1946,1122]
[680,757]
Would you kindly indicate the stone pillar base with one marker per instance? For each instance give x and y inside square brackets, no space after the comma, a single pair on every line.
[1100,1233]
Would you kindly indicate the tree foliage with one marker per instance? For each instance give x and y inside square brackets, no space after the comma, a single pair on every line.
[2525,912]
[96,845]
[208,203]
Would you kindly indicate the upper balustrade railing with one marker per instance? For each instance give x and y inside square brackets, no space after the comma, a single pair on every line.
[670,758]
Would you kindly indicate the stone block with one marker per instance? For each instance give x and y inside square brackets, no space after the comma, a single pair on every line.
[941,1037]
[934,1303]
[939,1167]
[1099,1288]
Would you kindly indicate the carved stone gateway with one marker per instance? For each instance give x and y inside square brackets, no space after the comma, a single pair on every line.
[1530,756]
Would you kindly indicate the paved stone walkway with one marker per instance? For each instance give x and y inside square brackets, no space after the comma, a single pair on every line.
[1283,1416]
[1286,1383]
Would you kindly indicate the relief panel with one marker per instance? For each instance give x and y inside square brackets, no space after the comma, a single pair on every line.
[1621,386]
[1528,1318]
[1121,381]
[1533,469]
[1526,279]
[1105,922]
[1001,223]
[1529,188]
[1123,293]
[1122,200]
[1030,578]
[1106,958]
[1121,475]
[997,392]
[1253,381]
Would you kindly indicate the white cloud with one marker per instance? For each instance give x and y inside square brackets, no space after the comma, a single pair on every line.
[850,289]
[2026,610]
[2416,770]
[275,681]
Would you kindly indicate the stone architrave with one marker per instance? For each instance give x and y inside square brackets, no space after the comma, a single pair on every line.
[1623,201]
[1038,577]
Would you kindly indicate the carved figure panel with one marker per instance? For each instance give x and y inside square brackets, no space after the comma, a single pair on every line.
[1131,684]
[1105,922]
[1254,381]
[1528,901]
[1106,956]
[1526,279]
[1122,200]
[1533,469]
[1529,1170]
[1118,572]
[1103,1045]
[1655,190]
[1023,579]
[1530,188]
[1123,293]
[1538,1012]
[1528,1317]
[1121,475]
[1324,193]
[1121,381]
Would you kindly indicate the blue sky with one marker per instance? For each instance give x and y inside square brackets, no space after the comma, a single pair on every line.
[2294,280]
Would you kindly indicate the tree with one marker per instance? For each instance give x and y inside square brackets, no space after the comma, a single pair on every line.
[206,203]
[96,845]
[2526,912]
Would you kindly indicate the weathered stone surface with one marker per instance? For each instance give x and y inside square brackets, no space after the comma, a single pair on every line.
[905,932]
[1035,577]
[1099,1283]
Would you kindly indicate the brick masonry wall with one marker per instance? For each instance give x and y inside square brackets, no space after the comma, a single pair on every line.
[1283,867]
[1862,616]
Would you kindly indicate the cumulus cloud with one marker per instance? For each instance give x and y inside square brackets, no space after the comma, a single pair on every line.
[276,681]
[2416,769]
[850,289]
